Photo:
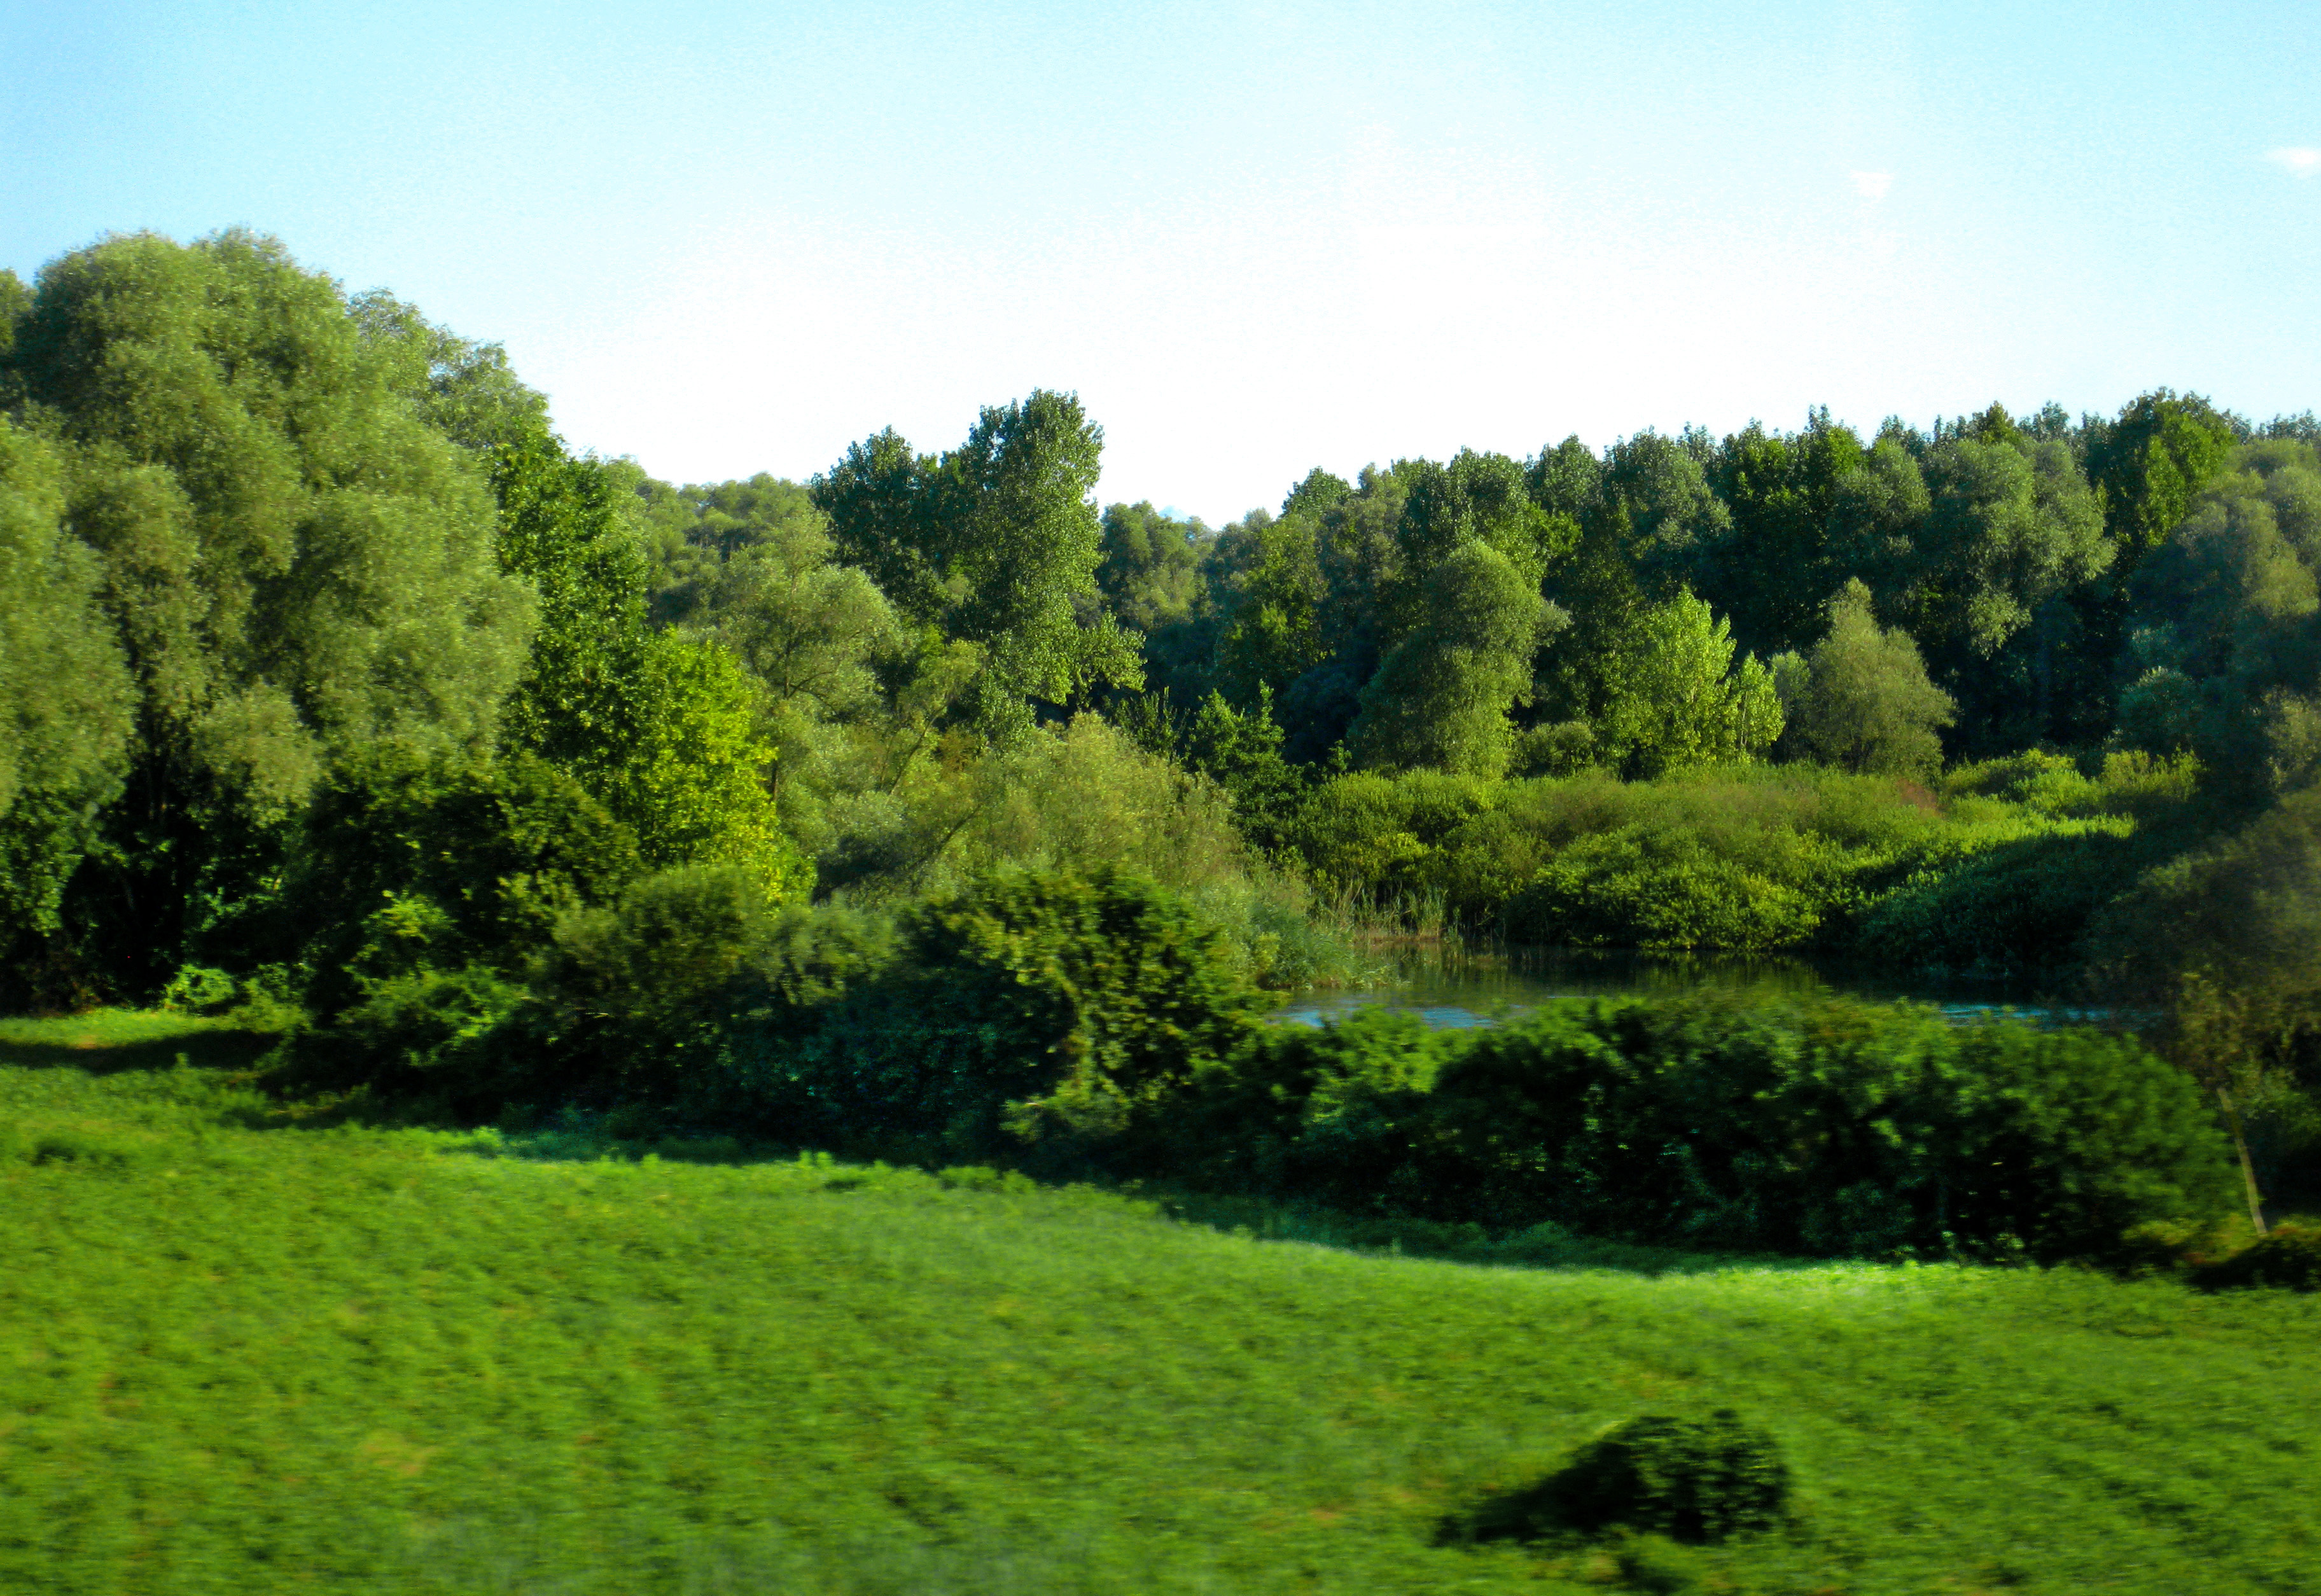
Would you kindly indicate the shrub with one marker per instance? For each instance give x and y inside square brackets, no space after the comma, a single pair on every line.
[1824,1127]
[2289,1256]
[199,989]
[644,996]
[488,855]
[1690,1479]
[420,1030]
[2022,905]
[1029,1006]
[1666,889]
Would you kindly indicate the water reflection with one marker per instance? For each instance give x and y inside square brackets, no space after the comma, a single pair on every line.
[1450,989]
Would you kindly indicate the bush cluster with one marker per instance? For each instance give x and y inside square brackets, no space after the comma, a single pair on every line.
[1094,1024]
[1821,1128]
[1996,866]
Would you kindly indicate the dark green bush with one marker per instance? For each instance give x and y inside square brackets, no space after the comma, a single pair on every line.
[2290,1256]
[490,856]
[1823,1128]
[444,1033]
[1690,1479]
[1031,1006]
[1693,1479]
[2021,906]
[644,997]
[1662,888]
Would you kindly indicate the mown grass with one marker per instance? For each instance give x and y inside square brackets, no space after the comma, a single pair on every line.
[236,1358]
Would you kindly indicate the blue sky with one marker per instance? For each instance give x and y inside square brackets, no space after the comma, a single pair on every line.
[1254,237]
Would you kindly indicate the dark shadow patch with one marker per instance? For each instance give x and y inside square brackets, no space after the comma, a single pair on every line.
[101,1050]
[1697,1481]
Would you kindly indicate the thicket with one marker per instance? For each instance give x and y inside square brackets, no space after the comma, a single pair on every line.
[1096,1025]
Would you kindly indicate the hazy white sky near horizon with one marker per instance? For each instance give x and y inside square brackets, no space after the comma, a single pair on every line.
[1254,237]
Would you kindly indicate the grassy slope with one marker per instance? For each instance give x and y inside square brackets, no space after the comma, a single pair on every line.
[248,1359]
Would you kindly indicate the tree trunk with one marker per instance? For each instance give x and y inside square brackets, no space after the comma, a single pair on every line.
[2248,1169]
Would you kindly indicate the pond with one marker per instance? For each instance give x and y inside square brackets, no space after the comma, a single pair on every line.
[1451,990]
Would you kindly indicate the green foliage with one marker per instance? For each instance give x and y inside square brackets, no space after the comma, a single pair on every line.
[1824,1128]
[998,541]
[2000,871]
[2012,523]
[1270,594]
[65,694]
[2150,462]
[693,785]
[1800,507]
[1866,704]
[2226,941]
[465,391]
[1655,888]
[1241,753]
[663,729]
[642,997]
[1150,575]
[1676,697]
[1030,1006]
[1441,696]
[2290,1256]
[819,638]
[293,562]
[1694,1480]
[2225,624]
[474,861]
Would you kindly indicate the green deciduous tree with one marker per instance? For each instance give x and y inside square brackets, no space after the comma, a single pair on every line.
[1150,575]
[1866,704]
[65,693]
[998,541]
[2224,620]
[663,729]
[1678,697]
[1269,599]
[1241,753]
[822,640]
[294,561]
[1442,695]
[2149,463]
[1652,520]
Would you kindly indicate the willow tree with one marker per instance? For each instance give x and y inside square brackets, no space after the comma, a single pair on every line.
[289,559]
[64,695]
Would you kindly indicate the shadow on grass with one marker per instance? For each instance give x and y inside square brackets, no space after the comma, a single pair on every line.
[1545,1245]
[575,1136]
[116,1042]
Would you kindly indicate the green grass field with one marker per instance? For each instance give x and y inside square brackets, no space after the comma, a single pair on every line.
[237,1355]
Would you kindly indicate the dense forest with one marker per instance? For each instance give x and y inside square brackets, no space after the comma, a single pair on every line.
[927,796]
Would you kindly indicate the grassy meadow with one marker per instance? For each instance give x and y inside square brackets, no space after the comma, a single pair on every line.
[240,1354]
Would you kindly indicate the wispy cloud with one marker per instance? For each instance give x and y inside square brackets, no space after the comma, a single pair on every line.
[2300,160]
[1872,185]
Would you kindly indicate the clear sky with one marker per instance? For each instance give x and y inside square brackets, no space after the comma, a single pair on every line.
[1254,237]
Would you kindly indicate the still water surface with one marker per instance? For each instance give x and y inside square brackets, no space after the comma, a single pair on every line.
[1447,990]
